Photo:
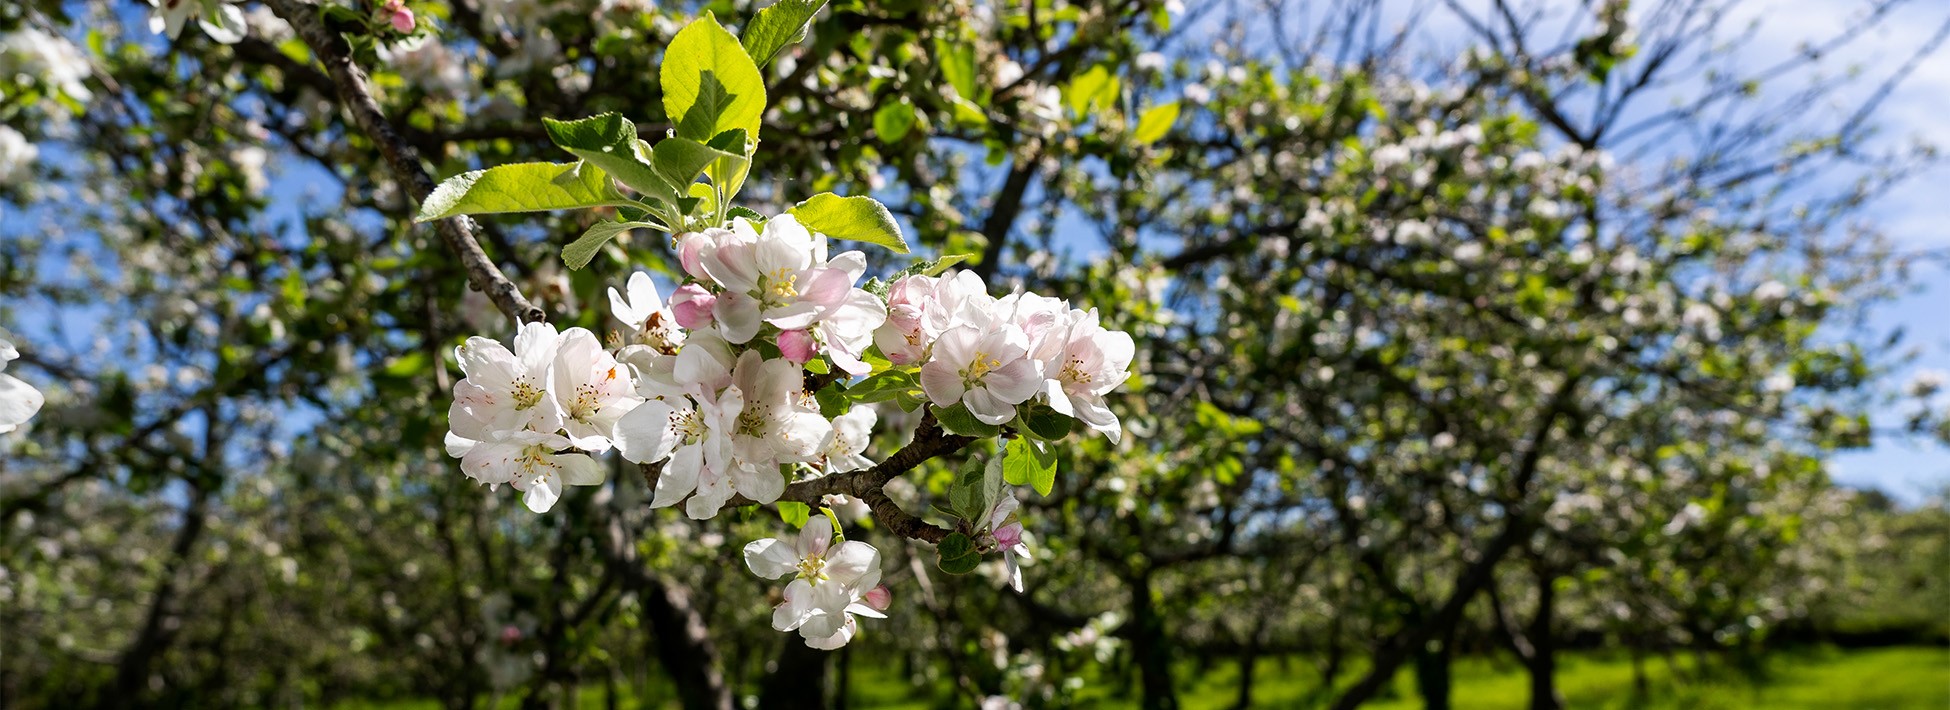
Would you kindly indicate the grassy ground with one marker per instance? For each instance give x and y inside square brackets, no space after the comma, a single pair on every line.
[1825,679]
[1872,679]
[1859,680]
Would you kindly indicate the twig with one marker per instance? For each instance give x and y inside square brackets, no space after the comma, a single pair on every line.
[869,485]
[356,94]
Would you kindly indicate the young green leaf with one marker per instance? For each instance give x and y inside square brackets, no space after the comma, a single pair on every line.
[578,253]
[794,514]
[1155,123]
[729,172]
[1094,87]
[957,554]
[957,62]
[775,27]
[702,53]
[933,267]
[893,121]
[609,141]
[1044,423]
[958,420]
[858,218]
[1026,461]
[521,187]
[681,160]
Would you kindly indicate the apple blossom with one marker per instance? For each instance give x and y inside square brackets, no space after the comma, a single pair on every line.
[506,391]
[828,586]
[1085,364]
[771,278]
[17,156]
[851,432]
[591,388]
[775,427]
[526,460]
[645,314]
[219,19]
[990,372]
[1007,536]
[18,400]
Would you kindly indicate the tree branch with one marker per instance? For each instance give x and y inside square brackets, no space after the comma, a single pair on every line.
[868,485]
[355,93]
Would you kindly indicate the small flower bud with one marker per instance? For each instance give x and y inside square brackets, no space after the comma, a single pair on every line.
[691,305]
[797,346]
[879,598]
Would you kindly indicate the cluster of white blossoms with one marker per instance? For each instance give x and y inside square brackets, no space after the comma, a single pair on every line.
[716,386]
[18,400]
[992,354]
[830,585]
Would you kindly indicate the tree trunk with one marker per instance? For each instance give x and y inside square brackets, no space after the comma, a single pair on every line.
[683,646]
[132,669]
[1150,649]
[1640,688]
[1543,656]
[1432,675]
[1247,661]
[799,681]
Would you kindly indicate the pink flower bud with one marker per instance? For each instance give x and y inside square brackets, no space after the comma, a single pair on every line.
[400,16]
[797,346]
[691,247]
[1008,535]
[879,598]
[510,635]
[691,305]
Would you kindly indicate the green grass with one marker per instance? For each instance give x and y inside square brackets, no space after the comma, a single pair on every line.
[1890,678]
[1871,679]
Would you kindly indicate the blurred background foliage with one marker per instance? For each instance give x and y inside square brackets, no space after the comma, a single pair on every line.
[1521,354]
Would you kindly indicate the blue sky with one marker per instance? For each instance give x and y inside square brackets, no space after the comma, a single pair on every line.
[1916,216]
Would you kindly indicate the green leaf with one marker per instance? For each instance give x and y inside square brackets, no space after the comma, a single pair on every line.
[1047,424]
[703,52]
[795,514]
[1155,123]
[832,400]
[994,484]
[957,62]
[758,220]
[521,187]
[957,554]
[730,172]
[858,218]
[681,160]
[882,387]
[609,141]
[1025,460]
[958,420]
[893,121]
[933,267]
[775,27]
[578,253]
[968,114]
[1094,87]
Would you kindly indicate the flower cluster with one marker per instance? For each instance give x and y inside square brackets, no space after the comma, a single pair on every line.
[515,411]
[721,366]
[992,354]
[750,375]
[830,585]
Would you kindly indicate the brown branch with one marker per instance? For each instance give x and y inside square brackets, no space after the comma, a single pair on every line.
[355,93]
[868,485]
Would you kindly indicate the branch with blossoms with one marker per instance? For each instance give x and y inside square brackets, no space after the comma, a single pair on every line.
[760,380]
